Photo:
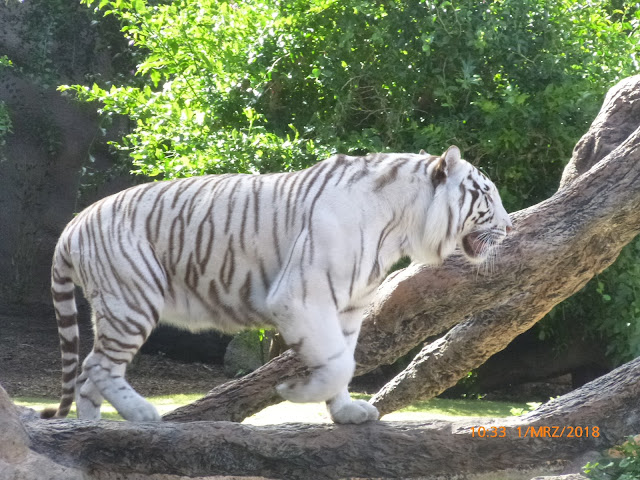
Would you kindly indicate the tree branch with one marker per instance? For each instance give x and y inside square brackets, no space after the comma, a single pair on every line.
[559,245]
[241,398]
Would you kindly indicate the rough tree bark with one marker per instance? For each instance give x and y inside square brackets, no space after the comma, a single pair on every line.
[426,450]
[558,245]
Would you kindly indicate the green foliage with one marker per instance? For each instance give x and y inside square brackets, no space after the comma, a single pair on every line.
[6,125]
[195,110]
[258,86]
[619,463]
[607,308]
[5,62]
[531,406]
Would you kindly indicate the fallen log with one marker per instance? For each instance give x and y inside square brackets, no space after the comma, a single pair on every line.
[595,416]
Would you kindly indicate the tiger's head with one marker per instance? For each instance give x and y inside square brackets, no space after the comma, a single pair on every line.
[476,221]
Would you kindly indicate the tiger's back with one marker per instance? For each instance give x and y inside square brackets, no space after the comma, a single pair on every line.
[302,251]
[213,246]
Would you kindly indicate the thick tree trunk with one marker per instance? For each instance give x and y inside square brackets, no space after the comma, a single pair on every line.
[596,416]
[558,245]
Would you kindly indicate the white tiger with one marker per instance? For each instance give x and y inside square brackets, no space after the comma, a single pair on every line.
[303,252]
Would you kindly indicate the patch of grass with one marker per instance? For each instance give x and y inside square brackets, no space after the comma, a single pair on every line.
[467,408]
[164,404]
[38,404]
[462,407]
[315,412]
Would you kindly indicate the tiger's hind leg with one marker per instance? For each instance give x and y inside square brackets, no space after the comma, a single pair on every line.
[108,379]
[124,316]
[127,301]
[88,398]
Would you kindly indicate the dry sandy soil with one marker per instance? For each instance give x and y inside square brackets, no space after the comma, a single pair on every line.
[30,363]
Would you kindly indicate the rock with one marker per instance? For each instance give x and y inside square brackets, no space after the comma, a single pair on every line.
[17,461]
[203,347]
[245,353]
[14,441]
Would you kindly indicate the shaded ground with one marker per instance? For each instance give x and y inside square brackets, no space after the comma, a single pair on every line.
[30,363]
[30,366]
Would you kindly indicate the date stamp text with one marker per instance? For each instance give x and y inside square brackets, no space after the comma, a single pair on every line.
[542,431]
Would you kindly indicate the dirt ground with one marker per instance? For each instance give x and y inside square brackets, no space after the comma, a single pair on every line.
[30,363]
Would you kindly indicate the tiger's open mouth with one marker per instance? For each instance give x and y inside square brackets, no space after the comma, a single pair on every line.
[478,243]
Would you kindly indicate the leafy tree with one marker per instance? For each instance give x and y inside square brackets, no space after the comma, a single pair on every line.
[607,309]
[256,86]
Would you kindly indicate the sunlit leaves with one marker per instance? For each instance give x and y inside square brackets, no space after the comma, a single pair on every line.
[513,83]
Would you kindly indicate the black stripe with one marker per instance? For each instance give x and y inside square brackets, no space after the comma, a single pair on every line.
[69,376]
[200,258]
[175,251]
[69,346]
[289,212]
[353,278]
[65,321]
[231,202]
[313,174]
[474,198]
[311,212]
[256,202]
[332,290]
[62,296]
[60,280]
[390,175]
[228,266]
[243,223]
[158,282]
[345,164]
[263,275]
[180,186]
[191,276]
[122,346]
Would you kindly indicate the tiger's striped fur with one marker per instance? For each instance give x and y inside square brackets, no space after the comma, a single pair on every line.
[302,251]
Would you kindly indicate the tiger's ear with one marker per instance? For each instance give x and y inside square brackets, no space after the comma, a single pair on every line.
[445,165]
[422,152]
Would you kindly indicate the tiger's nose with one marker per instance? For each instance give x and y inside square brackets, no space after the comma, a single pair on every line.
[509,229]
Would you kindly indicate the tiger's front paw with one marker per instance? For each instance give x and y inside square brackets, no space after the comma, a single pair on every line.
[355,411]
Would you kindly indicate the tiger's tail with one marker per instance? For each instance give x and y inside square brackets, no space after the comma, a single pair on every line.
[64,304]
